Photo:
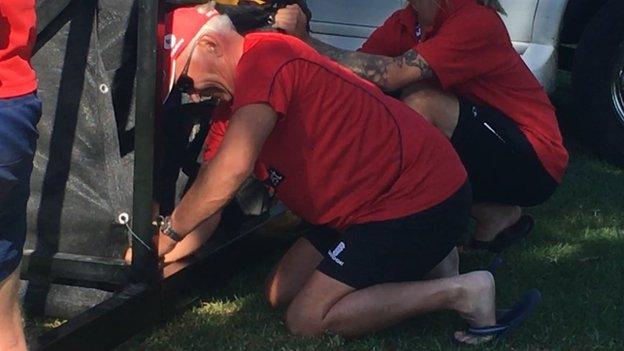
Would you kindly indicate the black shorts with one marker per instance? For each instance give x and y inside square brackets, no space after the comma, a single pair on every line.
[398,250]
[501,163]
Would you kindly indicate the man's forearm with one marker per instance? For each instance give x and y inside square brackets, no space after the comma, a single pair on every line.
[389,73]
[211,191]
[193,241]
[373,68]
[219,180]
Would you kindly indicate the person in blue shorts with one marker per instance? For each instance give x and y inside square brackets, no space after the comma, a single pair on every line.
[20,110]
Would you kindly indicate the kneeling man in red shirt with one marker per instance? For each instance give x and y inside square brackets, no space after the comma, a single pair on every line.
[386,190]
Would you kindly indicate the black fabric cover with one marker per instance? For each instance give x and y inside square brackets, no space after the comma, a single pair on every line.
[82,178]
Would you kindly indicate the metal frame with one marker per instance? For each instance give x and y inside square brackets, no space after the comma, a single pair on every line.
[144,259]
[152,294]
[103,273]
[141,305]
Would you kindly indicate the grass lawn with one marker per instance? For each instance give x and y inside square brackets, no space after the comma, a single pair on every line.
[575,256]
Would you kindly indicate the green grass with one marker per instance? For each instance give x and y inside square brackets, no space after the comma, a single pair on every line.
[575,256]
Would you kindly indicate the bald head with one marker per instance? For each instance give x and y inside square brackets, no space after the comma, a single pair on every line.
[211,59]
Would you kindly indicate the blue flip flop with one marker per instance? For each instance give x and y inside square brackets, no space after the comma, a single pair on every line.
[510,319]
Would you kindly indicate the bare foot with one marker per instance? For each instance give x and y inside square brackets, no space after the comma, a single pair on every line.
[476,305]
[493,218]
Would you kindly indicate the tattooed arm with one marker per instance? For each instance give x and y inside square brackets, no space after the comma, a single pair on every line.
[388,73]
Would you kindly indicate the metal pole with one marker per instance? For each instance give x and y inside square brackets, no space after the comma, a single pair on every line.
[144,260]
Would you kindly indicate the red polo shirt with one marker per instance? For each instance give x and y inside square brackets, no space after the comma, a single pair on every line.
[398,34]
[470,51]
[341,152]
[17,37]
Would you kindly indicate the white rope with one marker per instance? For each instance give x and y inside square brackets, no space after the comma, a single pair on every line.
[124,219]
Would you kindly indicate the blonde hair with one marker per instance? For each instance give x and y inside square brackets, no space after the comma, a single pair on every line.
[494,4]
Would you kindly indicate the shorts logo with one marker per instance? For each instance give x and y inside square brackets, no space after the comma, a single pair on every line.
[334,254]
[275,177]
[476,114]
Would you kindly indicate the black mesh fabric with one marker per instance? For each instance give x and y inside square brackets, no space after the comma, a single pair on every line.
[83,169]
[82,179]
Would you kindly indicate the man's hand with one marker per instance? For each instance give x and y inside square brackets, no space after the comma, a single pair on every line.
[165,245]
[292,19]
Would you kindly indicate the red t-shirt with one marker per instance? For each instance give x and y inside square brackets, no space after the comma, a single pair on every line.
[341,152]
[220,117]
[470,51]
[397,35]
[17,37]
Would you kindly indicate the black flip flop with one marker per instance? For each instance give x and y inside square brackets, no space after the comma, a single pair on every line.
[507,237]
[511,319]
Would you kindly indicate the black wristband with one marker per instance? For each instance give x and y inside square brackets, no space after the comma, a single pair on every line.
[167,229]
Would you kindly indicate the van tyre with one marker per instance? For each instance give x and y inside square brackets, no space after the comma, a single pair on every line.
[598,82]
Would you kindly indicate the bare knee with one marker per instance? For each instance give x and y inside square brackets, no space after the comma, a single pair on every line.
[438,107]
[271,299]
[423,101]
[276,293]
[301,323]
[271,293]
[274,299]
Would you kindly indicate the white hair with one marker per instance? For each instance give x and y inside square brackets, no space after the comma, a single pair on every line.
[219,24]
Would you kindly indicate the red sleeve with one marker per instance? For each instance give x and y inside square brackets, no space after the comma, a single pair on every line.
[466,46]
[261,76]
[385,39]
[394,37]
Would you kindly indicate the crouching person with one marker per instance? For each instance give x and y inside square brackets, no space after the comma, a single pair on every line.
[387,191]
[455,65]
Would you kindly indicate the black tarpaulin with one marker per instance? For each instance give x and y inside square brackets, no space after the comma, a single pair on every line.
[82,178]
